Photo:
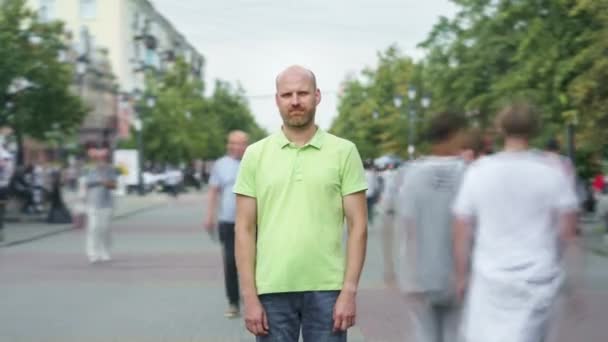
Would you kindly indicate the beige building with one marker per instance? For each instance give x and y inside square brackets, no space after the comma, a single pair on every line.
[135,35]
[122,38]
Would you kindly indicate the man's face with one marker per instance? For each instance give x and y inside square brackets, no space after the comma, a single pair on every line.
[98,155]
[237,143]
[297,99]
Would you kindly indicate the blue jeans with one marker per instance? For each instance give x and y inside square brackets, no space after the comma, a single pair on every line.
[312,312]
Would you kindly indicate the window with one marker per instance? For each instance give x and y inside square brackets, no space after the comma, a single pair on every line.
[47,10]
[88,9]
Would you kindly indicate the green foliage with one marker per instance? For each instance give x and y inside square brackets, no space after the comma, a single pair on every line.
[29,49]
[230,105]
[184,125]
[552,53]
[367,114]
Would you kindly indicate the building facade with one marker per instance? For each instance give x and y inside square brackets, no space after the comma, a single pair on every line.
[135,35]
[124,38]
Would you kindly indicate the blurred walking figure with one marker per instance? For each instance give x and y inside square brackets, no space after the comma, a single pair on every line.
[391,179]
[424,208]
[173,180]
[222,208]
[524,209]
[99,181]
[374,188]
[7,167]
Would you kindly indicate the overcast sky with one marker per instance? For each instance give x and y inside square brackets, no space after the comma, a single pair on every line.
[251,41]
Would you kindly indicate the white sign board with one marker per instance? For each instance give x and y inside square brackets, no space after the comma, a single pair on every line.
[128,164]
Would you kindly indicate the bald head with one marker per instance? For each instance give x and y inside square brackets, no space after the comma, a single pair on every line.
[237,143]
[238,135]
[296,72]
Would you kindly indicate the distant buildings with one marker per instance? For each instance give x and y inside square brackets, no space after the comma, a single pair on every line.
[114,42]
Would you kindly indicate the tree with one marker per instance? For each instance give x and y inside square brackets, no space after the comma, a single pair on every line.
[30,56]
[183,125]
[180,126]
[367,114]
[549,52]
[230,105]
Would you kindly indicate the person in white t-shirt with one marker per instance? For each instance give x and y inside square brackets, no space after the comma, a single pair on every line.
[524,210]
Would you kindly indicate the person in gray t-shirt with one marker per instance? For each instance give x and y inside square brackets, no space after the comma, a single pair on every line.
[222,209]
[427,191]
[100,180]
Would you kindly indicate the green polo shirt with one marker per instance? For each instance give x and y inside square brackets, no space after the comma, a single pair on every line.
[300,215]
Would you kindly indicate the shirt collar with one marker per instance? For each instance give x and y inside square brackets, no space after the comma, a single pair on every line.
[316,141]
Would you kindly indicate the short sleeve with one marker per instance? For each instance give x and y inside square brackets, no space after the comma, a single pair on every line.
[464,205]
[565,197]
[353,175]
[214,177]
[245,181]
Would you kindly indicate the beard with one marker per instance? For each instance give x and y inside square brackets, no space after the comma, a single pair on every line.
[304,118]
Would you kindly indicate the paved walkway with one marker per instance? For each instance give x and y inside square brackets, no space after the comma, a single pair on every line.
[165,284]
[28,230]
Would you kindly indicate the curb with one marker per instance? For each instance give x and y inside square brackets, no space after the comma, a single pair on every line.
[70,228]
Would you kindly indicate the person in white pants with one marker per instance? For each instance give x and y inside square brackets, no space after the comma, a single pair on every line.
[100,180]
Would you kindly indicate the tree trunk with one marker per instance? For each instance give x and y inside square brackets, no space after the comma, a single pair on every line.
[20,157]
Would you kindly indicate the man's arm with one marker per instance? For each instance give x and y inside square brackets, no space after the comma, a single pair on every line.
[462,246]
[355,210]
[245,251]
[212,205]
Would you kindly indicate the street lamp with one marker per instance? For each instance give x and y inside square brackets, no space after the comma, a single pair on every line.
[150,102]
[426,102]
[411,94]
[138,126]
[81,71]
[398,101]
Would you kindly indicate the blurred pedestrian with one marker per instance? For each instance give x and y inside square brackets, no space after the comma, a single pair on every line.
[522,206]
[221,208]
[100,180]
[374,188]
[7,167]
[173,179]
[386,212]
[424,215]
[294,190]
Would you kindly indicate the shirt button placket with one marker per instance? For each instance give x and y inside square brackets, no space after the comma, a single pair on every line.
[297,167]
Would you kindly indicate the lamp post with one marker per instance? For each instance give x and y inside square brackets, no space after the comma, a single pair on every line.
[150,102]
[17,86]
[138,126]
[570,137]
[411,95]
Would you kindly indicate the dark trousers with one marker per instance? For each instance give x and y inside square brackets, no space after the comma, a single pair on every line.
[231,279]
[308,312]
[3,202]
[2,211]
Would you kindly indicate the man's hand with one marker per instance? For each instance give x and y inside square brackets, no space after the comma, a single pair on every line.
[209,224]
[462,282]
[255,317]
[345,311]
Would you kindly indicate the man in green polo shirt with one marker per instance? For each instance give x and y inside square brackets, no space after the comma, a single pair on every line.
[294,190]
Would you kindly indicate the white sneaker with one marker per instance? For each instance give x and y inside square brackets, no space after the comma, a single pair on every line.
[105,257]
[94,259]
